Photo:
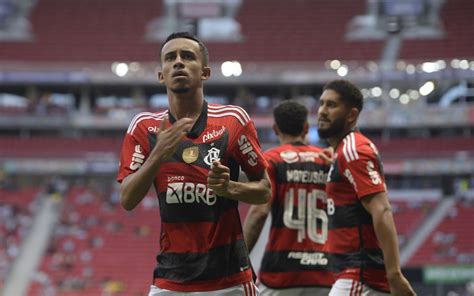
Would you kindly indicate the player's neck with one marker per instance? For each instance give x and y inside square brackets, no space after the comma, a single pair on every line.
[336,139]
[185,105]
[288,139]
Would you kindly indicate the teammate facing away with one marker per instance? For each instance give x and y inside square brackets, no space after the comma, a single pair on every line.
[362,234]
[191,154]
[294,262]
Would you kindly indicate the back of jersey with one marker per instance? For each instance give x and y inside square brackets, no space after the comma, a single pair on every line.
[295,253]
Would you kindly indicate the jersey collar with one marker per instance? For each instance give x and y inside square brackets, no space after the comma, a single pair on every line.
[297,143]
[198,126]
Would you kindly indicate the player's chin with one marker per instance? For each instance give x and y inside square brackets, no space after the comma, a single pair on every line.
[179,88]
[323,125]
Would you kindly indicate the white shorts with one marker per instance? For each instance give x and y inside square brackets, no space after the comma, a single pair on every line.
[303,291]
[347,287]
[246,289]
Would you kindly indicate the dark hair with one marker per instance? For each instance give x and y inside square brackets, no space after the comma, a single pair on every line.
[348,92]
[187,35]
[290,117]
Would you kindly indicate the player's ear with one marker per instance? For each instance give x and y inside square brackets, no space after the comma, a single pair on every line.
[161,79]
[305,128]
[276,129]
[205,73]
[353,115]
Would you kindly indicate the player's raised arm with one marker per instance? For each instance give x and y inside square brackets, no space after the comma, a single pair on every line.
[135,186]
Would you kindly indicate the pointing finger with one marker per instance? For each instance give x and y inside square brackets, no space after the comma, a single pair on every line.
[163,123]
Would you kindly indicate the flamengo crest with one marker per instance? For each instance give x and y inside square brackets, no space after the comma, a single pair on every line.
[212,155]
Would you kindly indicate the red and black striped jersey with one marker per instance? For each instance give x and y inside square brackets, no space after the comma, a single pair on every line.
[295,254]
[356,173]
[201,243]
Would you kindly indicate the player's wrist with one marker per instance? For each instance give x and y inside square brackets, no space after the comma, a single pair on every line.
[394,274]
[157,158]
[231,190]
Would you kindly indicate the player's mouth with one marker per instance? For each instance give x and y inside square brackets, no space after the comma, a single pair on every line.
[179,74]
[324,123]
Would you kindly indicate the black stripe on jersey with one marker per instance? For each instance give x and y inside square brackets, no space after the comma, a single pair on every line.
[151,140]
[372,258]
[199,125]
[187,267]
[194,212]
[334,174]
[282,169]
[234,170]
[203,149]
[277,213]
[349,216]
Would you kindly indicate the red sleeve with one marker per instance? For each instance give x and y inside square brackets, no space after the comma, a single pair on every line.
[245,149]
[364,172]
[272,174]
[134,153]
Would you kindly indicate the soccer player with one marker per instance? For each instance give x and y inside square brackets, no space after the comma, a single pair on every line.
[294,262]
[362,234]
[191,154]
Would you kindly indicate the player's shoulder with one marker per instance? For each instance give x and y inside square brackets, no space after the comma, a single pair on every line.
[228,113]
[313,148]
[274,152]
[146,120]
[355,145]
[291,153]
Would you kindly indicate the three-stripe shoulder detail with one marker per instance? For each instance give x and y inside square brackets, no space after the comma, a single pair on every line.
[349,148]
[228,110]
[143,116]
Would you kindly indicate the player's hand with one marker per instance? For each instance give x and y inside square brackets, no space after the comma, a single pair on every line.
[218,178]
[167,139]
[399,286]
[327,155]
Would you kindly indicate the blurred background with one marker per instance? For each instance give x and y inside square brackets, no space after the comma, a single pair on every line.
[74,73]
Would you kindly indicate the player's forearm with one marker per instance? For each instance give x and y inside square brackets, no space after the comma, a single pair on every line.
[387,236]
[253,192]
[135,186]
[253,226]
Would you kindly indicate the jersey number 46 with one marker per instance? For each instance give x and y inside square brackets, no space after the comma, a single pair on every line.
[302,214]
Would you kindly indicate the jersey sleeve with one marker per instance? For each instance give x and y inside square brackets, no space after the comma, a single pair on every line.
[134,152]
[364,171]
[245,149]
[271,169]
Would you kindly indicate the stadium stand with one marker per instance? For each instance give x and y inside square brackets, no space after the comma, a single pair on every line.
[16,209]
[451,242]
[95,239]
[408,215]
[114,30]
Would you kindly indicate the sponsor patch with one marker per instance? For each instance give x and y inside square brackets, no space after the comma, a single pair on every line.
[247,150]
[137,158]
[189,193]
[289,156]
[213,134]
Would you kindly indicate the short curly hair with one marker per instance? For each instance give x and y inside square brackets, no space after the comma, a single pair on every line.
[290,117]
[348,92]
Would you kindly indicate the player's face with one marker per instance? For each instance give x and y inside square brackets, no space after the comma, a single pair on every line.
[332,115]
[181,65]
